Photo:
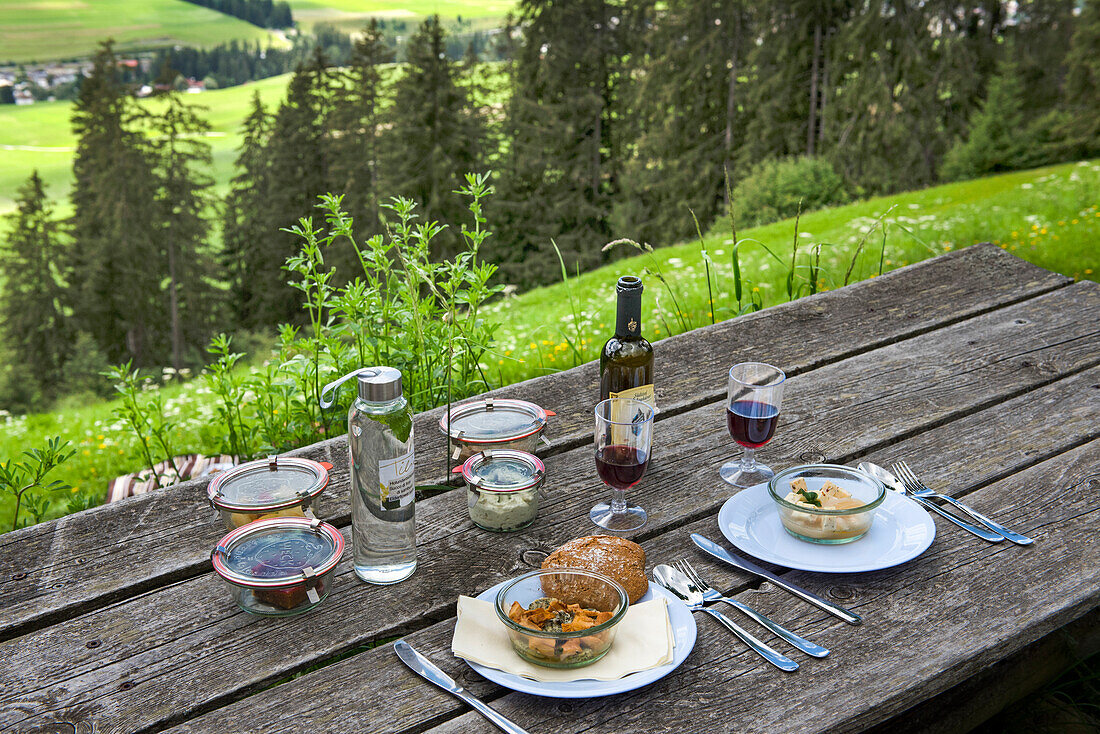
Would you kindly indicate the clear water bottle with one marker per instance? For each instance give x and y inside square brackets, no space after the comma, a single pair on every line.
[383,494]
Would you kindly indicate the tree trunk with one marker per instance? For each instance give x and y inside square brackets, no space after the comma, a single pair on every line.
[173,307]
[825,89]
[731,105]
[811,127]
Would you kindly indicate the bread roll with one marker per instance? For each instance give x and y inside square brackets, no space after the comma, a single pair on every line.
[618,558]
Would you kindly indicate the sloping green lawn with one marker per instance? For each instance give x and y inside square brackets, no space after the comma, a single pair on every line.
[1048,216]
[45,30]
[39,136]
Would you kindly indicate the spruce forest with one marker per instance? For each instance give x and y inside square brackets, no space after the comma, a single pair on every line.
[608,119]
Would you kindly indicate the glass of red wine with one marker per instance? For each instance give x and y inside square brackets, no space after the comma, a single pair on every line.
[624,432]
[752,410]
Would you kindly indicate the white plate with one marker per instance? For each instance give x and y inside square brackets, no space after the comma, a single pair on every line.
[683,630]
[901,531]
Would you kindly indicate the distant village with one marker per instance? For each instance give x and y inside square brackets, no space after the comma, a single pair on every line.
[25,84]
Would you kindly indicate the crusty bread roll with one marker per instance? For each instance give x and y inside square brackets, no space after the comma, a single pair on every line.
[621,559]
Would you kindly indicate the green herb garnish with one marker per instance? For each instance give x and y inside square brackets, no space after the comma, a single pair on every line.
[811,498]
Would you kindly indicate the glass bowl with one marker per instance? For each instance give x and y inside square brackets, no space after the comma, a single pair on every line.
[828,527]
[502,488]
[278,486]
[572,586]
[493,423]
[279,566]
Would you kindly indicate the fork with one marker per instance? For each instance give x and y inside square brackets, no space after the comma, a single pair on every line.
[916,487]
[712,594]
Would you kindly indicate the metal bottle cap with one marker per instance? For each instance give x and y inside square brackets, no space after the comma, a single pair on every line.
[380,384]
[376,385]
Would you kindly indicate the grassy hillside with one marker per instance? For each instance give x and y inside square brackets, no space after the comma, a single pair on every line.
[350,14]
[39,136]
[1049,216]
[43,30]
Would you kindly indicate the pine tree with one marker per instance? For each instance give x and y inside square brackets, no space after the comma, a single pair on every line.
[883,123]
[247,219]
[1041,34]
[561,169]
[435,135]
[358,115]
[995,141]
[1078,128]
[115,269]
[184,196]
[300,154]
[686,97]
[36,330]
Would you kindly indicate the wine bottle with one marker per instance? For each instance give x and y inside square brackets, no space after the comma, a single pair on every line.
[626,362]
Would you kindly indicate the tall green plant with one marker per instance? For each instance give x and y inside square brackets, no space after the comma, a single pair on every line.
[147,420]
[25,480]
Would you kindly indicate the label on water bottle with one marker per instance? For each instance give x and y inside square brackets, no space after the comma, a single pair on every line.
[396,486]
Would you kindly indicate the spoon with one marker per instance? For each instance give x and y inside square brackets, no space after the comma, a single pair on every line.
[681,586]
[892,482]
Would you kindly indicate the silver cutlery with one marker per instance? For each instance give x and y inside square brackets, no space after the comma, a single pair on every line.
[895,484]
[427,670]
[917,488]
[709,546]
[678,584]
[711,594]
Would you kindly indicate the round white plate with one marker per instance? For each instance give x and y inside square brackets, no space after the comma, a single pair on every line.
[901,531]
[683,630]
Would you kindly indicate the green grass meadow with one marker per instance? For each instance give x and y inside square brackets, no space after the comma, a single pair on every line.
[45,30]
[39,136]
[351,14]
[1048,216]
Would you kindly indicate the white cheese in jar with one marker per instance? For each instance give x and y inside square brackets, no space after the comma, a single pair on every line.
[503,511]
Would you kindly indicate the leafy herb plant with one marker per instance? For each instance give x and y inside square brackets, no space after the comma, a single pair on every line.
[25,480]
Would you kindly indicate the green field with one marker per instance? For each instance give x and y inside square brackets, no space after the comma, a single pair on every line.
[352,13]
[1048,216]
[39,136]
[45,30]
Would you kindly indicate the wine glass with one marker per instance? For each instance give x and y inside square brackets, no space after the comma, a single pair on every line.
[752,410]
[624,431]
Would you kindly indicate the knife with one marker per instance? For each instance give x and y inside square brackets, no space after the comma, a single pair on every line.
[427,670]
[709,546]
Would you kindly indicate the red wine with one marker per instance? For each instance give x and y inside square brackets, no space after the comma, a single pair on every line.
[752,423]
[621,466]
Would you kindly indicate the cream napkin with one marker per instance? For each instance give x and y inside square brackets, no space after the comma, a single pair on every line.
[643,640]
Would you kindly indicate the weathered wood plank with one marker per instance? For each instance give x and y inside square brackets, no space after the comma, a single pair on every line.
[69,566]
[979,698]
[727,687]
[457,558]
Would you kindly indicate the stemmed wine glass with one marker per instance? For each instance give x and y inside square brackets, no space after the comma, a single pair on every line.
[624,432]
[752,409]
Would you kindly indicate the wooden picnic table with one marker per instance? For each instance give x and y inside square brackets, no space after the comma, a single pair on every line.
[981,370]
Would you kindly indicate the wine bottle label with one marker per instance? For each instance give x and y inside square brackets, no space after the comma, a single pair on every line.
[624,416]
[645,393]
[396,486]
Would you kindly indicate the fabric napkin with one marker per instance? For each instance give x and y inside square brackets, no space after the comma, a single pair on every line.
[643,640]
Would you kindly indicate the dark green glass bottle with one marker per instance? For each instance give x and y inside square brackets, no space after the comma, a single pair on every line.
[626,362]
